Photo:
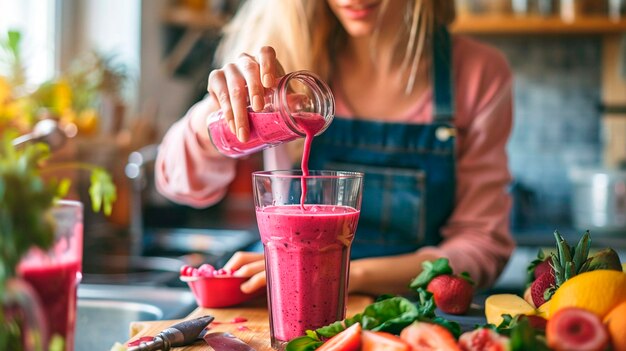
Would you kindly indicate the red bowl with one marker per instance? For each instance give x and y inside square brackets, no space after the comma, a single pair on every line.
[221,291]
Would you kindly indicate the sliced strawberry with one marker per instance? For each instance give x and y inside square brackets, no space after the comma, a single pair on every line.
[382,341]
[540,285]
[347,340]
[452,294]
[424,336]
[483,339]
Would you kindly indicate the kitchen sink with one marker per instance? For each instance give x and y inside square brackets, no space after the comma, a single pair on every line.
[164,251]
[132,270]
[106,311]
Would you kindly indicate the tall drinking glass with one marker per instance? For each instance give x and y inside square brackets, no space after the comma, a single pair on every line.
[56,273]
[307,246]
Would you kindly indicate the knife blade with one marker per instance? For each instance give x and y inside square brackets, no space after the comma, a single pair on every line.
[180,334]
[223,341]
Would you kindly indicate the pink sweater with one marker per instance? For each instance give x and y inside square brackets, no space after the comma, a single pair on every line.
[476,237]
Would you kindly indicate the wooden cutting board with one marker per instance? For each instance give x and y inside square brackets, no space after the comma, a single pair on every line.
[254,330]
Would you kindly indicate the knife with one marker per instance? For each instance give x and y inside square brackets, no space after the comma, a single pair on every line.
[180,334]
[222,341]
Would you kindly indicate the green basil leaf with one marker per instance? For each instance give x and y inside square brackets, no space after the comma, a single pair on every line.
[303,343]
[431,269]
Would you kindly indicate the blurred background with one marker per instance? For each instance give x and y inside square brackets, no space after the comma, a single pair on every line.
[122,71]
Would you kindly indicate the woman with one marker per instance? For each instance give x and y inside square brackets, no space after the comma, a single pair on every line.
[426,116]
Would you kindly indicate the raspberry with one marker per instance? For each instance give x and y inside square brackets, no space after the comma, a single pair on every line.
[206,270]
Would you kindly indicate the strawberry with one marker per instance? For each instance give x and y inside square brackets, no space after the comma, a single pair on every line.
[348,340]
[423,336]
[382,341]
[546,281]
[452,293]
[544,266]
[483,339]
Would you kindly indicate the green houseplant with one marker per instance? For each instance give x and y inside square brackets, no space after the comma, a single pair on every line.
[28,192]
[30,187]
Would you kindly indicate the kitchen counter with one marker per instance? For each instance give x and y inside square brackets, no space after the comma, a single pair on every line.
[542,236]
[254,330]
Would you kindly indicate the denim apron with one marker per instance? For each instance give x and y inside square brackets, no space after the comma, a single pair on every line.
[409,182]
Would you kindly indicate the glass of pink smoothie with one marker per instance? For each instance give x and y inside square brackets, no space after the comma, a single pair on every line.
[56,273]
[307,246]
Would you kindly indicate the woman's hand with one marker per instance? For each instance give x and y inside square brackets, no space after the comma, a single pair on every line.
[248,264]
[241,84]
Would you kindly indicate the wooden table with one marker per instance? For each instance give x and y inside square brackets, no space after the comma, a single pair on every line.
[254,331]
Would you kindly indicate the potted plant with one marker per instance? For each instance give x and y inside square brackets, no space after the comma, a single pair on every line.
[32,216]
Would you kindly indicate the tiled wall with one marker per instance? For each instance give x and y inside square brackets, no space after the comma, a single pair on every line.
[557,118]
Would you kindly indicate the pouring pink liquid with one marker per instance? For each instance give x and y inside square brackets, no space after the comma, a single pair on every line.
[311,124]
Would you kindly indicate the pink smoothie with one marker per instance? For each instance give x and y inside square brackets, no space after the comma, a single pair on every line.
[265,128]
[307,257]
[55,279]
[311,124]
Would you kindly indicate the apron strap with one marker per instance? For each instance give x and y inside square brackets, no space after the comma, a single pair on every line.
[443,83]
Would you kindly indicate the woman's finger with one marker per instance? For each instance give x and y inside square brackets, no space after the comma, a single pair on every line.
[250,269]
[237,93]
[251,72]
[218,88]
[240,258]
[269,66]
[255,283]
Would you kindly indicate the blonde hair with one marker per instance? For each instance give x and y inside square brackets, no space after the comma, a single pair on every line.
[307,35]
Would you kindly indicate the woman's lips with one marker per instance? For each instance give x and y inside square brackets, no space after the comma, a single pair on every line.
[359,12]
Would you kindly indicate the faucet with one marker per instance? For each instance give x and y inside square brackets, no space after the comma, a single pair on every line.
[46,131]
[135,171]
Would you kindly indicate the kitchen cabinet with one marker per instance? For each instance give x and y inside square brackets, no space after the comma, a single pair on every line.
[196,25]
[511,24]
[612,32]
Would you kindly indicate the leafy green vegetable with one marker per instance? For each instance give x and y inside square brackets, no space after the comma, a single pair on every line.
[525,337]
[389,315]
[304,343]
[431,269]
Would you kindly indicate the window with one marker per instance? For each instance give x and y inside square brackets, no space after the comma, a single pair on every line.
[35,19]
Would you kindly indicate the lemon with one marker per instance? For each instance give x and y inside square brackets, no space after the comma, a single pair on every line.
[596,291]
